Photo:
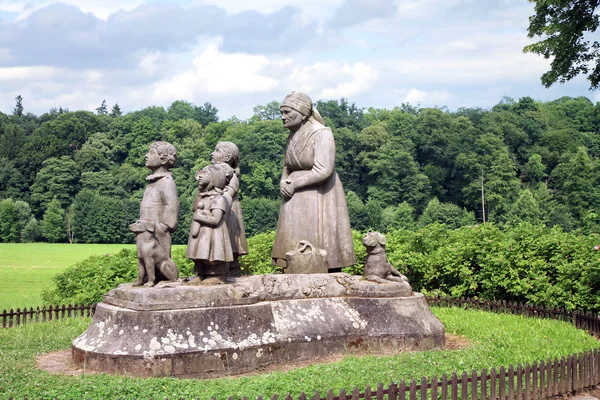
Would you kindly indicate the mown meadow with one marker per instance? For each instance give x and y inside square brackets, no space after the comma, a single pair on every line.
[27,268]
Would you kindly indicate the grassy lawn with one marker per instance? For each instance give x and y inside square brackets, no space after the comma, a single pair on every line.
[26,268]
[496,340]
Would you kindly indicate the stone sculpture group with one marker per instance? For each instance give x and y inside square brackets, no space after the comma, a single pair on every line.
[218,322]
[313,232]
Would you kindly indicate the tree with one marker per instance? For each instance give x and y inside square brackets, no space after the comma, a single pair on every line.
[12,139]
[12,182]
[563,25]
[446,213]
[32,231]
[101,219]
[103,109]
[206,114]
[116,111]
[534,170]
[341,113]
[491,160]
[525,209]
[96,154]
[359,217]
[260,215]
[61,136]
[14,215]
[181,109]
[575,181]
[59,180]
[53,224]
[268,111]
[18,110]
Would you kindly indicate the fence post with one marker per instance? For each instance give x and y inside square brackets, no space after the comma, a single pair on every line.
[402,392]
[434,388]
[484,384]
[392,392]
[542,380]
[519,382]
[444,387]
[379,393]
[511,382]
[527,382]
[473,386]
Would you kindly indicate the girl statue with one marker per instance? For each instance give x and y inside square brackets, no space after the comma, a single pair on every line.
[209,244]
[228,153]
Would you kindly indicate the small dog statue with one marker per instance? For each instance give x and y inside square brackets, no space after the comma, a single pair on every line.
[377,267]
[154,261]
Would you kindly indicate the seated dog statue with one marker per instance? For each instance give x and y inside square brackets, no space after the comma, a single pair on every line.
[377,267]
[154,261]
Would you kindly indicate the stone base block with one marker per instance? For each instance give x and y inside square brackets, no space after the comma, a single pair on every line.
[292,318]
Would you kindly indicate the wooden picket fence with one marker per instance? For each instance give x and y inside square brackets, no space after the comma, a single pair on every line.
[533,382]
[541,380]
[19,317]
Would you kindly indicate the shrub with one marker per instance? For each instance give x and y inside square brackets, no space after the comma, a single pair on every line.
[88,280]
[524,263]
[258,259]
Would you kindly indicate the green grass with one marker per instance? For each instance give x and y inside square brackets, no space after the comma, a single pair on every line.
[496,340]
[27,268]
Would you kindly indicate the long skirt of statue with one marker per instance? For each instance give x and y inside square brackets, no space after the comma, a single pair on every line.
[210,247]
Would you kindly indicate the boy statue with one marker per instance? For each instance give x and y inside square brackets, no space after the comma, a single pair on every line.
[159,212]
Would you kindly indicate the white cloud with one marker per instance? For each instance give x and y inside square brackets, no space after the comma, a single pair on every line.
[462,45]
[217,73]
[311,9]
[332,80]
[436,52]
[362,77]
[497,59]
[99,8]
[436,97]
[6,56]
[149,63]
[27,73]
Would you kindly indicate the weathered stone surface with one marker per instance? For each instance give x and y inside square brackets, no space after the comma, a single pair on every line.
[377,267]
[313,206]
[295,317]
[306,259]
[241,290]
[373,289]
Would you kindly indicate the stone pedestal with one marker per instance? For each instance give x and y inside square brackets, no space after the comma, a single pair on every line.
[205,332]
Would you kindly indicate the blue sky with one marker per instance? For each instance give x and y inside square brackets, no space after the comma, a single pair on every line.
[237,54]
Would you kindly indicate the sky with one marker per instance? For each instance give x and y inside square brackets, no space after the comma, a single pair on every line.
[237,54]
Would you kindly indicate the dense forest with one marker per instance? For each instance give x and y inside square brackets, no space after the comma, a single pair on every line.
[79,176]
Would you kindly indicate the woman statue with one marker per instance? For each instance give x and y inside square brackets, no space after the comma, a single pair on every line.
[314,204]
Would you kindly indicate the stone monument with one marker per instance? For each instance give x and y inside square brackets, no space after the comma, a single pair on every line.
[159,211]
[231,325]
